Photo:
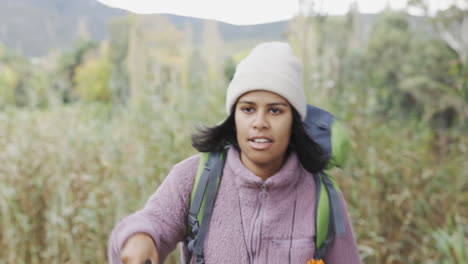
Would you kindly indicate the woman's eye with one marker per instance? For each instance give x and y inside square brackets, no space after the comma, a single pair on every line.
[248,109]
[275,111]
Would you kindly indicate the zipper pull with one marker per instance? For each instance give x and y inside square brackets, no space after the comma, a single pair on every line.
[264,193]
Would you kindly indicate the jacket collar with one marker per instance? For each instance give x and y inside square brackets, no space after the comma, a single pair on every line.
[286,178]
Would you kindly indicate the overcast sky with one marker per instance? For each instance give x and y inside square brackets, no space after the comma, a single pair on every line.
[242,12]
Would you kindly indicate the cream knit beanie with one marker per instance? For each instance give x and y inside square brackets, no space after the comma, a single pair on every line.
[273,67]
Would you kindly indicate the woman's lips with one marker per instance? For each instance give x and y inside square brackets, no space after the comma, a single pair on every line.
[260,143]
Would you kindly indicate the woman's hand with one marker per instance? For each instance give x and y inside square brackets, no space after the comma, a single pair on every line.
[138,249]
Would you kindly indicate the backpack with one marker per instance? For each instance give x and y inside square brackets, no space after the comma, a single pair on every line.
[322,127]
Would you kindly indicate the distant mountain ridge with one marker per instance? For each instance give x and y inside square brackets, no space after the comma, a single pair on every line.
[274,30]
[35,27]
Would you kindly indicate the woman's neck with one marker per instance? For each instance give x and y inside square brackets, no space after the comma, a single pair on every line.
[264,171]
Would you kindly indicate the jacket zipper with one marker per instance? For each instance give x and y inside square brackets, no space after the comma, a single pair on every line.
[256,226]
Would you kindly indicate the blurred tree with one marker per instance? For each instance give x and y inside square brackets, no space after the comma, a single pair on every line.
[8,83]
[137,58]
[412,74]
[39,83]
[186,70]
[229,68]
[92,80]
[452,25]
[332,49]
[211,52]
[231,62]
[387,50]
[431,83]
[118,48]
[16,72]
[153,58]
[2,51]
[339,43]
[305,33]
[68,64]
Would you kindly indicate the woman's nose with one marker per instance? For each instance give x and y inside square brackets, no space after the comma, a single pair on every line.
[260,121]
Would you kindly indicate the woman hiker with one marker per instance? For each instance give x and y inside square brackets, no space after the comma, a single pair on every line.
[265,204]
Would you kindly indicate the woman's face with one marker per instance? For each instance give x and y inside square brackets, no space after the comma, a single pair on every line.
[263,128]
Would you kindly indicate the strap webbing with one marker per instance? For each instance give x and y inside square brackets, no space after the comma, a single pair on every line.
[206,183]
[329,217]
[214,178]
[197,199]
[335,206]
[322,212]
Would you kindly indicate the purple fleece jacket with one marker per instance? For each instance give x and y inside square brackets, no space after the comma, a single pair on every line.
[253,221]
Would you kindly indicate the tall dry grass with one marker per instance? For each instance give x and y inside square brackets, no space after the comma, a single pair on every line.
[69,173]
[407,188]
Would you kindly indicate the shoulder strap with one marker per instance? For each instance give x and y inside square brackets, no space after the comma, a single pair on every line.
[199,186]
[329,217]
[204,192]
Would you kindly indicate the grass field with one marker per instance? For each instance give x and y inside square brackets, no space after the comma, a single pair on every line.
[68,173]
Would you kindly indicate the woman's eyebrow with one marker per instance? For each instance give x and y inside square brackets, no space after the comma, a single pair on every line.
[246,102]
[282,104]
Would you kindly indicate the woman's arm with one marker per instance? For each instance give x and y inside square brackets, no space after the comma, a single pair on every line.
[164,216]
[343,250]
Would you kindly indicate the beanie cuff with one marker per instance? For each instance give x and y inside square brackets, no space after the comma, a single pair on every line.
[271,82]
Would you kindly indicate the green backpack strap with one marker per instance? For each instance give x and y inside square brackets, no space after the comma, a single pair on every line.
[329,217]
[201,166]
[204,190]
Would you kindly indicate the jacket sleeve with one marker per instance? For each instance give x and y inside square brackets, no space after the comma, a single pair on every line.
[343,250]
[163,216]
